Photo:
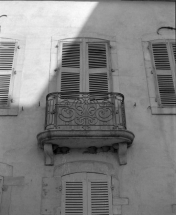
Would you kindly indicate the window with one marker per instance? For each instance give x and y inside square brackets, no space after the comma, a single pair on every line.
[163,55]
[84,66]
[8,49]
[86,194]
[159,60]
[11,60]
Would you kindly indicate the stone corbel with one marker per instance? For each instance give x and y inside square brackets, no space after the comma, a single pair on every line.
[121,148]
[122,152]
[48,154]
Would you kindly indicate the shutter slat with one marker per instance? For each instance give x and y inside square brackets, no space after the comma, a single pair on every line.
[98,69]
[98,82]
[71,55]
[73,195]
[164,77]
[99,193]
[161,57]
[70,82]
[174,50]
[70,70]
[7,50]
[4,88]
[97,55]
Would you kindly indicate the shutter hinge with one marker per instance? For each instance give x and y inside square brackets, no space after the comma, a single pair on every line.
[57,46]
[14,72]
[156,99]
[18,47]
[60,188]
[112,70]
[112,187]
[56,70]
[11,100]
[151,72]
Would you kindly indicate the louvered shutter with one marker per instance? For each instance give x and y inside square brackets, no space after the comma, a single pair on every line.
[98,67]
[74,198]
[173,47]
[86,194]
[164,73]
[70,69]
[99,194]
[7,52]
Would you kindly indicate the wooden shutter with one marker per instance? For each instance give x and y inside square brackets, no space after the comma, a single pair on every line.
[70,68]
[98,67]
[86,194]
[99,194]
[164,73]
[7,52]
[74,199]
[173,47]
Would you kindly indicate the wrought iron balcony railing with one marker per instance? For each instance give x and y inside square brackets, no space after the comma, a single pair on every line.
[85,111]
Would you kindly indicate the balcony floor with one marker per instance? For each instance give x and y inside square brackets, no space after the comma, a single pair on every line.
[84,139]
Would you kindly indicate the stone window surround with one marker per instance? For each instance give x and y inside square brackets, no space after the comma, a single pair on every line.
[150,79]
[73,34]
[6,172]
[14,105]
[51,186]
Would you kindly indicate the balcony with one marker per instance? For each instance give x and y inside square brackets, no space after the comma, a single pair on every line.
[85,120]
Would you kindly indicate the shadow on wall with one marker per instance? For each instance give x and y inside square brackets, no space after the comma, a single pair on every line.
[45,23]
[101,20]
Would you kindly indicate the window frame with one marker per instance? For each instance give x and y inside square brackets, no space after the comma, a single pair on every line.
[155,106]
[12,108]
[84,69]
[85,179]
[72,34]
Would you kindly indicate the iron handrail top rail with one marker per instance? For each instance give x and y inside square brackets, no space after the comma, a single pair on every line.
[84,93]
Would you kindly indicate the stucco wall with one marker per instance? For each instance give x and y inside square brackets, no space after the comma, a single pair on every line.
[148,180]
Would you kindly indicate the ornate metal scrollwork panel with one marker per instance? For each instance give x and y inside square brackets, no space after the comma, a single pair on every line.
[84,110]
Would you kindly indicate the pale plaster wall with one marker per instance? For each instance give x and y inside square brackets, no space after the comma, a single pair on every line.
[148,180]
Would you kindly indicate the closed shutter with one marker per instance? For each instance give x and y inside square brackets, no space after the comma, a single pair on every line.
[98,68]
[74,199]
[84,67]
[173,47]
[7,52]
[70,69]
[99,195]
[164,73]
[86,194]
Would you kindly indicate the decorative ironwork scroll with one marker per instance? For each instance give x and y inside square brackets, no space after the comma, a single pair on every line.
[88,111]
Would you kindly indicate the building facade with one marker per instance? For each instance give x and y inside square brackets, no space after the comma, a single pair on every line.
[87,108]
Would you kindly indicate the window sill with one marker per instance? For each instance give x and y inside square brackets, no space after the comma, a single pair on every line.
[9,112]
[163,111]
